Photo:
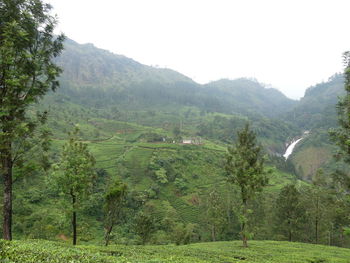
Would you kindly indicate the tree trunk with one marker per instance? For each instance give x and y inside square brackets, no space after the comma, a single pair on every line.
[108,234]
[289,231]
[330,235]
[316,230]
[244,225]
[245,240]
[290,236]
[6,159]
[341,237]
[74,222]
[213,234]
[316,220]
[74,218]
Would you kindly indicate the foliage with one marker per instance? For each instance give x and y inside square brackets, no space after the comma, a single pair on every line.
[245,168]
[130,115]
[341,138]
[214,252]
[341,135]
[114,199]
[27,73]
[290,213]
[320,200]
[44,251]
[75,173]
[216,214]
[317,108]
[144,226]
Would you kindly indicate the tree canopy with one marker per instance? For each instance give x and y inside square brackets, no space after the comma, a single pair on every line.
[245,168]
[27,72]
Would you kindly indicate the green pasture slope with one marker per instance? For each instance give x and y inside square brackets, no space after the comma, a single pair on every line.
[214,252]
[198,166]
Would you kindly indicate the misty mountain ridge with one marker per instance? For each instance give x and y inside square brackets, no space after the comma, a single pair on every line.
[317,109]
[88,65]
[97,77]
[249,92]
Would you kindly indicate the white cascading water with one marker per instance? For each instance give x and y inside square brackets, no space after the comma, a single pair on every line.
[291,148]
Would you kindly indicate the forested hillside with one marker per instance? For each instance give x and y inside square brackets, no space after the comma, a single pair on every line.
[317,112]
[98,78]
[252,97]
[135,118]
[317,109]
[104,159]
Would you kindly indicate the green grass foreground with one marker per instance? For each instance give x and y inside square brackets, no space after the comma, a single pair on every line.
[223,252]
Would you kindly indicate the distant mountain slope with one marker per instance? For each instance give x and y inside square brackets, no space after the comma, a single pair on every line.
[316,112]
[317,108]
[85,65]
[253,96]
[99,78]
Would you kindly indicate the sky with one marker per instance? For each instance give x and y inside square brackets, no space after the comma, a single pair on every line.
[287,44]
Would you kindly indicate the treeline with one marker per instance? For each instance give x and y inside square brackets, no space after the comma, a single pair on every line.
[153,95]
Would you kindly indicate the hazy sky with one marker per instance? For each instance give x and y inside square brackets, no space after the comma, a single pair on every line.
[290,44]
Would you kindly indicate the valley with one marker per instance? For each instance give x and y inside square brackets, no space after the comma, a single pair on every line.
[166,138]
[134,119]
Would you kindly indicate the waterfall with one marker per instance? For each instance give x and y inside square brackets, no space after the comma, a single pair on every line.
[291,148]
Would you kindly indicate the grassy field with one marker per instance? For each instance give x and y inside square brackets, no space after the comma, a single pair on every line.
[214,252]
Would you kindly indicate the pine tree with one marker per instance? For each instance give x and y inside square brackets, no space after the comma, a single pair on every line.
[27,72]
[245,168]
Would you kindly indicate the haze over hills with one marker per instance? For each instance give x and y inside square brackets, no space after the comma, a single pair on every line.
[100,79]
[86,65]
[124,156]
[123,81]
[318,106]
[252,95]
[316,112]
[131,115]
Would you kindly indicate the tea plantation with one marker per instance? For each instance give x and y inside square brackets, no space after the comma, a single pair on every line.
[215,252]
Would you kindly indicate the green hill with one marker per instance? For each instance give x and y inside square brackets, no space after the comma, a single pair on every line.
[163,177]
[98,78]
[134,119]
[317,109]
[87,66]
[316,112]
[251,96]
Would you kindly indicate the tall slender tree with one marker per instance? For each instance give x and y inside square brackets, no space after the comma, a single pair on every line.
[75,174]
[245,168]
[290,213]
[215,213]
[341,135]
[319,200]
[114,199]
[27,72]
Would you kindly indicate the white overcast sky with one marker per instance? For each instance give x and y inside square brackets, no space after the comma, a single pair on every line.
[289,44]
